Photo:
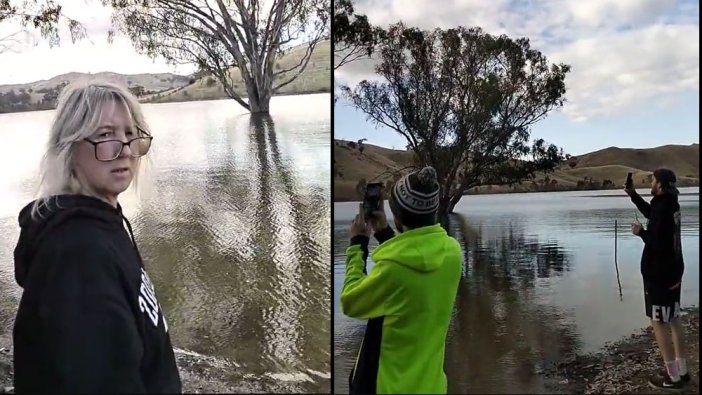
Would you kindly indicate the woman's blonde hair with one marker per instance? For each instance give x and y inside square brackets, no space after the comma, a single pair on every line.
[81,106]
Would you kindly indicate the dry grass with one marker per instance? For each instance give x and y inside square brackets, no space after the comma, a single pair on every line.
[350,166]
[601,165]
[150,82]
[315,78]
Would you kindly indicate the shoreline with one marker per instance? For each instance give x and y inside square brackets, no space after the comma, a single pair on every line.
[344,199]
[623,366]
[310,92]
[626,365]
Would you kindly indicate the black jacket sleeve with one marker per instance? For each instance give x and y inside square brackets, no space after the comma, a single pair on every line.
[384,235]
[362,240]
[92,341]
[643,206]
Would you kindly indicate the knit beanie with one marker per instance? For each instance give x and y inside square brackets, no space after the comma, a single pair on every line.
[414,198]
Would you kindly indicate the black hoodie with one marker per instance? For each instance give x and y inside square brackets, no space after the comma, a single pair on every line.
[88,320]
[662,259]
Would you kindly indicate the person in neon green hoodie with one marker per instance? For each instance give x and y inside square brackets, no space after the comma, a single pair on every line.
[409,295]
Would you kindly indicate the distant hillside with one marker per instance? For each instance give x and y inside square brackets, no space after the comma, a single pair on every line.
[164,88]
[150,82]
[316,78]
[604,169]
[41,95]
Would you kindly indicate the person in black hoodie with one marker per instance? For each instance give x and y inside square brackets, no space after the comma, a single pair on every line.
[88,320]
[662,270]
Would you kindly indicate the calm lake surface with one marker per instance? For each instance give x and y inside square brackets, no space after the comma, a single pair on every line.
[539,284]
[233,222]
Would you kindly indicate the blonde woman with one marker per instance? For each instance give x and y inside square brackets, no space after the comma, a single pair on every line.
[88,320]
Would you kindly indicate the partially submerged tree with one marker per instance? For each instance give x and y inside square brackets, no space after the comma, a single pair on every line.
[465,101]
[225,37]
[354,37]
[43,15]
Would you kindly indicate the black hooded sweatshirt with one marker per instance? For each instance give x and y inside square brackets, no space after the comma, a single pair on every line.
[88,320]
[662,259]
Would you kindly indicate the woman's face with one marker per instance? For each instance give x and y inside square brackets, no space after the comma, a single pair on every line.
[107,178]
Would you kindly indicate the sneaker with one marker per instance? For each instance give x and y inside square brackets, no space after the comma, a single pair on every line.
[684,379]
[664,382]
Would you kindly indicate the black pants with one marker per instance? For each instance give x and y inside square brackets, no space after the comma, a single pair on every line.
[662,304]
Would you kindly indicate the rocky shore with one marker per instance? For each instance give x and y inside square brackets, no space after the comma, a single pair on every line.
[625,366]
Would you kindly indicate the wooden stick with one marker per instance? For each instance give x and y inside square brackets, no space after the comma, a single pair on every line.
[616,265]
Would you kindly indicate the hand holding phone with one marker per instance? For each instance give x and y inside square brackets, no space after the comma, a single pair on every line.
[372,199]
[629,181]
[359,225]
[373,211]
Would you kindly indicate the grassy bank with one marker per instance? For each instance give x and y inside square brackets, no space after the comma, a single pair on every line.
[601,170]
[315,79]
[624,367]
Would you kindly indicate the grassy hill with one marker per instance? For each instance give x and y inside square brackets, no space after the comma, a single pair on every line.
[150,82]
[316,78]
[164,88]
[41,95]
[589,170]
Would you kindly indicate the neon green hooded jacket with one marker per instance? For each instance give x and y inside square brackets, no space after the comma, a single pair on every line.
[408,298]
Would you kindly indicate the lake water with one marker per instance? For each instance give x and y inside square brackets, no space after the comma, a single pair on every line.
[233,221]
[539,285]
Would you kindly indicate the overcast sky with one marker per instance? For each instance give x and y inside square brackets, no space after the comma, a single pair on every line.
[34,60]
[635,65]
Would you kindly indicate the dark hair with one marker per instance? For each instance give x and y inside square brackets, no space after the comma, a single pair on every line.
[667,179]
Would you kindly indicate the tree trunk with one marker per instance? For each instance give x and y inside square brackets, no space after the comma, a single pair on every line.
[259,106]
[454,201]
[259,98]
[447,203]
[443,212]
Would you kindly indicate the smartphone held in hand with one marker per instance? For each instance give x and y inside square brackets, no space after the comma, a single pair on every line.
[629,181]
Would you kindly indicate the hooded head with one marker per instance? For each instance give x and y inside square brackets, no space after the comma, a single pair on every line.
[414,199]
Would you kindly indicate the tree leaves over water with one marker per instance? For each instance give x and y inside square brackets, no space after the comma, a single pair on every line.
[465,101]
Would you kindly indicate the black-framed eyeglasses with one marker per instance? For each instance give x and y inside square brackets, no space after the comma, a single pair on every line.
[108,150]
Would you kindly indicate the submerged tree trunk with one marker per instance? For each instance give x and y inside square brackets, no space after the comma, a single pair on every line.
[259,98]
[447,203]
[443,212]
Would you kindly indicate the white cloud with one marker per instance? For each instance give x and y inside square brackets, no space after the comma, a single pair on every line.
[623,53]
[599,13]
[619,72]
[33,59]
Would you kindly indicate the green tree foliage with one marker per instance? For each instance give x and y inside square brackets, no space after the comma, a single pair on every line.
[465,102]
[354,37]
[42,15]
[14,102]
[137,90]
